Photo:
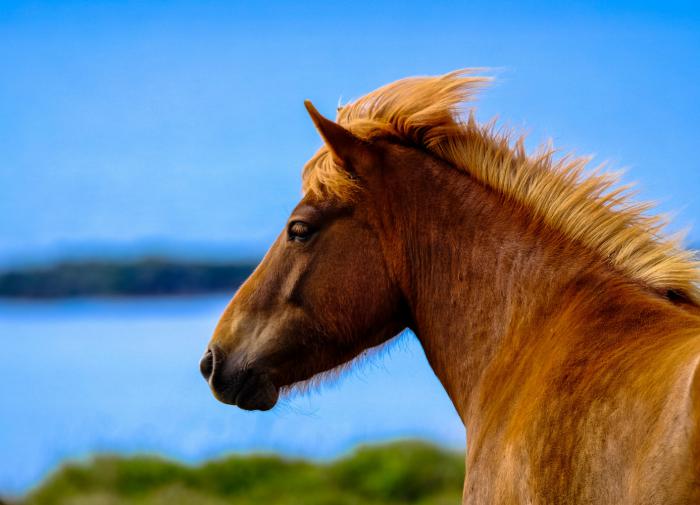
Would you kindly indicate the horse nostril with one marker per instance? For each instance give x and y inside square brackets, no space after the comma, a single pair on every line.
[206,364]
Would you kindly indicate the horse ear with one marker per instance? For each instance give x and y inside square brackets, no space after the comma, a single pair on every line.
[346,148]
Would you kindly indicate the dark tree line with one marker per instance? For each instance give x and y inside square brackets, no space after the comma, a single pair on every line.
[152,277]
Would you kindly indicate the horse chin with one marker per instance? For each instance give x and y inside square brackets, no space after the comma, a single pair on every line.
[260,394]
[251,391]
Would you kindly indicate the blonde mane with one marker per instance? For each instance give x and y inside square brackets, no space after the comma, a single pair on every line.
[591,209]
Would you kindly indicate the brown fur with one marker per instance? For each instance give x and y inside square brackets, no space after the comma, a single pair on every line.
[564,330]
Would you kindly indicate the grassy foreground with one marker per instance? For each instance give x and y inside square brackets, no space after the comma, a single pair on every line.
[398,473]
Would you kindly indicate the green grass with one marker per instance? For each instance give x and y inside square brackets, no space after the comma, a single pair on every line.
[398,473]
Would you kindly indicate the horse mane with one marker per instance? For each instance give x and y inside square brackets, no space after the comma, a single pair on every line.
[588,206]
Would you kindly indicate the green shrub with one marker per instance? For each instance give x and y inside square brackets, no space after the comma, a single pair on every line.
[398,473]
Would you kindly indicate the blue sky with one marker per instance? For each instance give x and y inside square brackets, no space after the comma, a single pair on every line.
[134,126]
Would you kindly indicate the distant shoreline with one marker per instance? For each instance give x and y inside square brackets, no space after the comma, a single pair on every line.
[138,278]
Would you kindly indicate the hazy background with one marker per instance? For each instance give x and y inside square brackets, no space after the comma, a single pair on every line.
[177,129]
[147,123]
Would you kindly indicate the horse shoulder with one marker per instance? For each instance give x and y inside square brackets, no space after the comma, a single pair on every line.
[674,462]
[694,432]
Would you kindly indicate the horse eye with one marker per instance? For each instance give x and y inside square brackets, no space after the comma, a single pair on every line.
[299,231]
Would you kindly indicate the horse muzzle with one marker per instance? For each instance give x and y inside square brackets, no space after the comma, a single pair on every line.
[249,388]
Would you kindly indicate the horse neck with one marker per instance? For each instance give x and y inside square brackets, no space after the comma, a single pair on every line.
[479,276]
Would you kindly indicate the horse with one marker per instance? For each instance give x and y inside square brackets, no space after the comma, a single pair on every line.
[560,317]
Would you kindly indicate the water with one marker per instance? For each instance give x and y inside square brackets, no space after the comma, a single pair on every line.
[81,377]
